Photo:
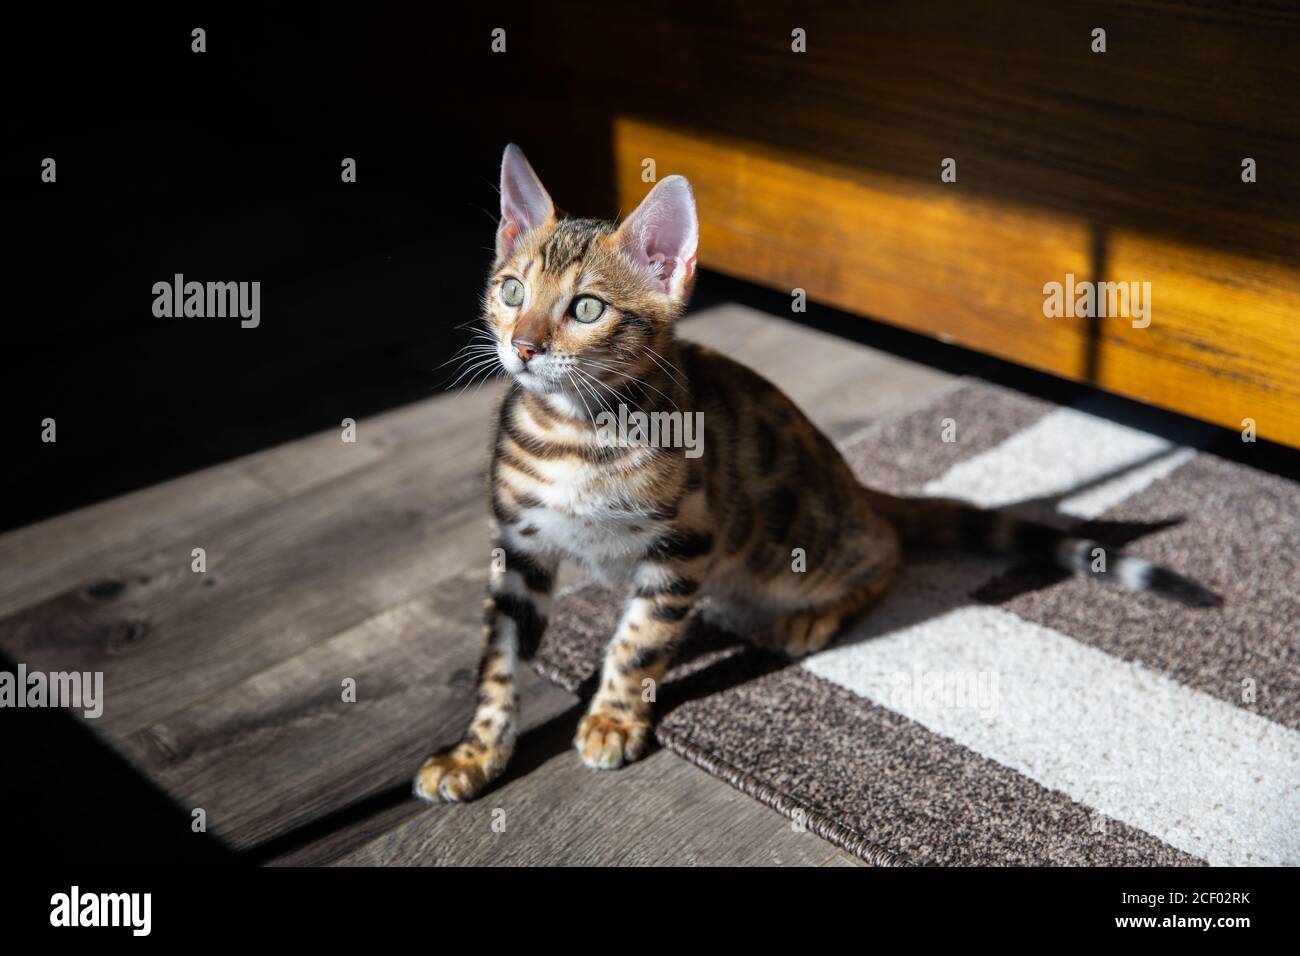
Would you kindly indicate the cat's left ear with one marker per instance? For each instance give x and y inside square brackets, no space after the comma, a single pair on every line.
[525,204]
[663,234]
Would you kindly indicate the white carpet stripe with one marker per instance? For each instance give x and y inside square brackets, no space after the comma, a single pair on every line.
[1095,501]
[1204,776]
[1064,450]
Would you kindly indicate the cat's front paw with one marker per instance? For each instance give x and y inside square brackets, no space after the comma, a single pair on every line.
[455,775]
[606,741]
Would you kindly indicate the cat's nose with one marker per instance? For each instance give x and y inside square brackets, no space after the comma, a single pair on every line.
[525,349]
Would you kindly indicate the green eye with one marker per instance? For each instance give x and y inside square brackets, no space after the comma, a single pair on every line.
[512,292]
[587,308]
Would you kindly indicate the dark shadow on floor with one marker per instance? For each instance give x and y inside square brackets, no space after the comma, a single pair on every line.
[69,800]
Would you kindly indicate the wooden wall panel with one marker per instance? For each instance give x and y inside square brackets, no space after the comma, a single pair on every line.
[1223,343]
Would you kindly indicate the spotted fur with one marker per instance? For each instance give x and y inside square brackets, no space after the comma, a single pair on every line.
[768,521]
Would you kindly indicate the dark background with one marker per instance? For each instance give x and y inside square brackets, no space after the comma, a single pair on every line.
[225,166]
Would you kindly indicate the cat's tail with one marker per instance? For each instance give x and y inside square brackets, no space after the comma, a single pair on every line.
[949,523]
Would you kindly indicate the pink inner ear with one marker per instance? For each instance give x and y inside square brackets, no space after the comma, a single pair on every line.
[508,231]
[663,232]
[524,201]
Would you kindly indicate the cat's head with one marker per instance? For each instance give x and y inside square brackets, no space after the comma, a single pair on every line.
[571,300]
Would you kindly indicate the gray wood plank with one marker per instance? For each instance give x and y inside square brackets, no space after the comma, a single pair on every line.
[660,811]
[281,577]
[843,859]
[284,747]
[47,558]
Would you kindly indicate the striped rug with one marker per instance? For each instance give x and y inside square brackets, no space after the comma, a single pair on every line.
[990,712]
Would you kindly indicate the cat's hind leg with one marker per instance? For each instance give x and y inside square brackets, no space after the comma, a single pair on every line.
[808,630]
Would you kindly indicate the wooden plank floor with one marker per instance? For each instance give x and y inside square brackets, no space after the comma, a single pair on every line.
[329,561]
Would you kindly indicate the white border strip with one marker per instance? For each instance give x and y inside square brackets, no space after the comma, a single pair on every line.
[1064,450]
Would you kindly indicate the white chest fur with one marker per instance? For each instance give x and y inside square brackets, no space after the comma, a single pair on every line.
[593,513]
[583,519]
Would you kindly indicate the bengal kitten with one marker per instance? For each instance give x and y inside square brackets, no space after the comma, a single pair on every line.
[581,314]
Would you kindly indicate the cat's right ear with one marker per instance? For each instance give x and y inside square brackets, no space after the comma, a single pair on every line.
[525,204]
